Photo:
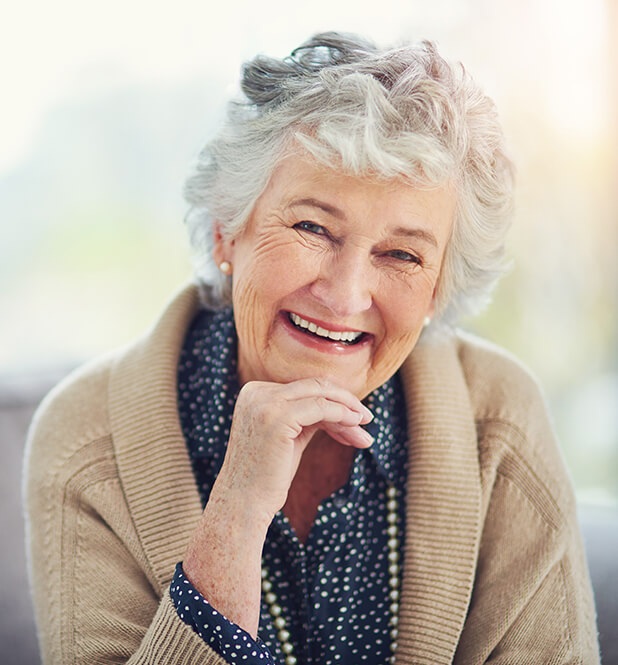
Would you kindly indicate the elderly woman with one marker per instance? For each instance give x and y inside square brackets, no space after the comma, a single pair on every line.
[304,461]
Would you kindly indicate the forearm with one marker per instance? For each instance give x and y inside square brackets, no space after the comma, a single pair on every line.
[223,559]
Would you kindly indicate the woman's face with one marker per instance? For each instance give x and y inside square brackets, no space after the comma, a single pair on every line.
[334,275]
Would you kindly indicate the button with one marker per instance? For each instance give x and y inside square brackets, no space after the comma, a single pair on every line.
[340,501]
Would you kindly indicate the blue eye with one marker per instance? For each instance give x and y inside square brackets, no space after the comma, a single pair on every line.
[311,227]
[402,255]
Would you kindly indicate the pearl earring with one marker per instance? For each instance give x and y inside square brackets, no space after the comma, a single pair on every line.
[225,267]
[426,321]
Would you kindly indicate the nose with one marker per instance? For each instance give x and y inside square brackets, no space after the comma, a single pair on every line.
[344,283]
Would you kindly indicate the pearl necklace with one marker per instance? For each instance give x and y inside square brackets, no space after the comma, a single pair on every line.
[392,530]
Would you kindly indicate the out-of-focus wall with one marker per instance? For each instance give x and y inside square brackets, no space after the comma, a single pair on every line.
[105,108]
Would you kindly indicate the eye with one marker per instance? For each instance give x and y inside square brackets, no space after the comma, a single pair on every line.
[311,227]
[406,257]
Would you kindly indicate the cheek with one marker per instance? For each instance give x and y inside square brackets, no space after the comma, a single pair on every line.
[395,347]
[403,312]
[262,278]
[274,269]
[406,301]
[247,313]
[256,291]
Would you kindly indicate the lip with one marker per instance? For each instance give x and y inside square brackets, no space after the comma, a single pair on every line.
[323,343]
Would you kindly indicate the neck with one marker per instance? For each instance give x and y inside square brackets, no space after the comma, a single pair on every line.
[324,468]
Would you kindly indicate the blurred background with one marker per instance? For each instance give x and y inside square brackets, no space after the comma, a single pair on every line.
[105,106]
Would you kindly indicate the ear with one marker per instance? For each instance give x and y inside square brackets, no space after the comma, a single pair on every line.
[222,247]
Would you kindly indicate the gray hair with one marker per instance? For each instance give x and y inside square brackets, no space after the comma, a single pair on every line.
[400,113]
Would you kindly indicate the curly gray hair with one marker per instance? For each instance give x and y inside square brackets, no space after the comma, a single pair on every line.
[397,113]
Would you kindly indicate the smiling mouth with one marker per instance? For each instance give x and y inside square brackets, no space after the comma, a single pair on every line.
[346,337]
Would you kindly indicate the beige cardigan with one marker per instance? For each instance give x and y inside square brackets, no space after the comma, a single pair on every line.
[494,568]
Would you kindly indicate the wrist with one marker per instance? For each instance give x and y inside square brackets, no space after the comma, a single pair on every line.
[236,515]
[248,509]
[224,556]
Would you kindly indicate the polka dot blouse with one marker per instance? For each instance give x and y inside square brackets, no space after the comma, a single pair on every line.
[333,590]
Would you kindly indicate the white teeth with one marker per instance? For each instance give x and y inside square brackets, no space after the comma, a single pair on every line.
[322,332]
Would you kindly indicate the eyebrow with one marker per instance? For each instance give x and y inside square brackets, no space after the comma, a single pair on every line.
[316,203]
[422,234]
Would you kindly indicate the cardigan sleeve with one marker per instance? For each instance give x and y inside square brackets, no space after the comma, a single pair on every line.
[548,627]
[532,598]
[96,597]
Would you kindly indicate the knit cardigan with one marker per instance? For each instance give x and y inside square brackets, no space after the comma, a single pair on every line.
[494,569]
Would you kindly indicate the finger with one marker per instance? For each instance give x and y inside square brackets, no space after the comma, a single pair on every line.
[320,387]
[356,437]
[310,411]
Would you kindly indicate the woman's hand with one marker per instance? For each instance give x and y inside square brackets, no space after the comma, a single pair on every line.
[271,427]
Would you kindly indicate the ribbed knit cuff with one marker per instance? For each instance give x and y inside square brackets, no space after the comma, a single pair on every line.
[170,640]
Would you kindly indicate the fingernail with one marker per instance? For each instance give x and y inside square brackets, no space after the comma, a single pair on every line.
[367,436]
[367,413]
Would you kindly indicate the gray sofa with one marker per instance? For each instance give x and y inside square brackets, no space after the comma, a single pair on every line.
[19,396]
